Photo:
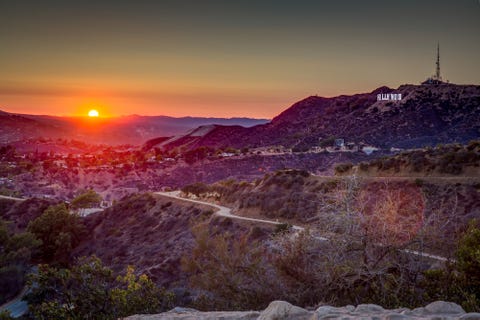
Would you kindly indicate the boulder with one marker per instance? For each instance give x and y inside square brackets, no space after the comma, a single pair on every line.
[279,310]
[328,312]
[442,307]
[470,316]
[396,316]
[197,315]
[334,310]
[369,308]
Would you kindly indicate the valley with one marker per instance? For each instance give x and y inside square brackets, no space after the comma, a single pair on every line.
[232,218]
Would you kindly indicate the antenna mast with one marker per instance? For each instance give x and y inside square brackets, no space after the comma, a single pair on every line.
[437,73]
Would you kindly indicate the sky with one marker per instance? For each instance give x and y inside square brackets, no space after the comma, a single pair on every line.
[249,58]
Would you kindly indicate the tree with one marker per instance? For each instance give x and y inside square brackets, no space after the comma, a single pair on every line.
[460,280]
[468,258]
[304,271]
[230,272]
[89,290]
[87,199]
[15,256]
[59,230]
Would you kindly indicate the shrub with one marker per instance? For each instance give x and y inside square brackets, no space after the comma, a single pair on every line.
[196,188]
[282,228]
[460,281]
[15,257]
[343,168]
[418,161]
[363,166]
[230,272]
[5,315]
[327,142]
[468,256]
[88,199]
[59,230]
[449,165]
[91,291]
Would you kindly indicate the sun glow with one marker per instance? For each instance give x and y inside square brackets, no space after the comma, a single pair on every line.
[93,113]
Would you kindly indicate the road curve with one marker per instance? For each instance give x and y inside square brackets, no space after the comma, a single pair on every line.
[11,198]
[227,212]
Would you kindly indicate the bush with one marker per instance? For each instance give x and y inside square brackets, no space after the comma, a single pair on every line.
[60,232]
[91,291]
[468,257]
[327,142]
[460,281]
[88,199]
[196,188]
[418,161]
[282,228]
[5,315]
[231,273]
[363,166]
[343,168]
[449,165]
[15,257]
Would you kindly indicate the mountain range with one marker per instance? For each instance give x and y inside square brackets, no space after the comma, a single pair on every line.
[427,114]
[132,129]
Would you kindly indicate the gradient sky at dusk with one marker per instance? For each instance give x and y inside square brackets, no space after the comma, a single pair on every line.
[223,58]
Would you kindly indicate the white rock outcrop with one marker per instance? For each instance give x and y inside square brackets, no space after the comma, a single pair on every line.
[281,310]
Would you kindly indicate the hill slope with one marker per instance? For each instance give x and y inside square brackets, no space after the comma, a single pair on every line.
[121,130]
[427,115]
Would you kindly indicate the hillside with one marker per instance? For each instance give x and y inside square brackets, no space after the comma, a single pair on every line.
[426,115]
[151,233]
[320,203]
[118,130]
[441,161]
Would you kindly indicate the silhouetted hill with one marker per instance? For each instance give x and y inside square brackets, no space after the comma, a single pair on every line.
[120,130]
[427,115]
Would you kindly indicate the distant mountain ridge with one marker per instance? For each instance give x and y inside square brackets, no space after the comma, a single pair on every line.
[120,130]
[426,115]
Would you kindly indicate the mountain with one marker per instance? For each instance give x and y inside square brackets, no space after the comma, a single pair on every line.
[426,115]
[120,130]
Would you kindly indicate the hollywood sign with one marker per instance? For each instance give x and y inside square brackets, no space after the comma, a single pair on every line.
[389,97]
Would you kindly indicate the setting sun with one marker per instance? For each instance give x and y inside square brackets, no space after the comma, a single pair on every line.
[93,113]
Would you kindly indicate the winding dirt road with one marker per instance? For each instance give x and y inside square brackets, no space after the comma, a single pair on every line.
[227,212]
[11,198]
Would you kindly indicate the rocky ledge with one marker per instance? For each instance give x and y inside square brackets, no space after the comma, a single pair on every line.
[279,310]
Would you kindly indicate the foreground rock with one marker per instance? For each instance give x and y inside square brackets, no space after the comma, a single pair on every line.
[280,310]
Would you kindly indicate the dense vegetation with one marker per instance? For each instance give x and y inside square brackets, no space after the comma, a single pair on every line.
[89,290]
[86,199]
[451,159]
[369,224]
[234,273]
[228,264]
[62,287]
[16,251]
[282,194]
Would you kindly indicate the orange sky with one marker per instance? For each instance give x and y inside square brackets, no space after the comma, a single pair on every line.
[222,58]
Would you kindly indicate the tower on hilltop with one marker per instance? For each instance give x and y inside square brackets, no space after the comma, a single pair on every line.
[437,71]
[436,78]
